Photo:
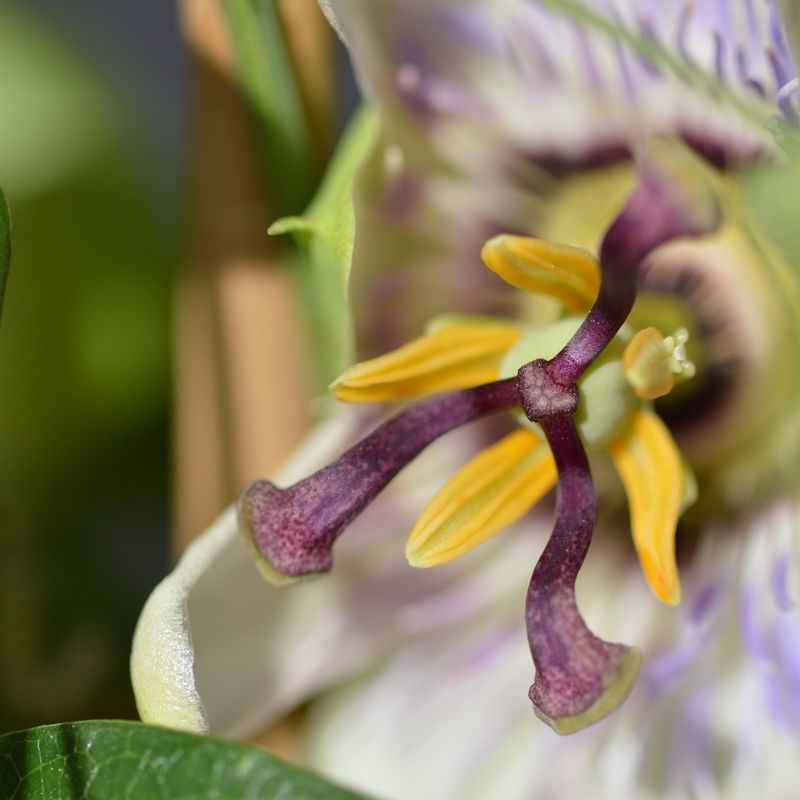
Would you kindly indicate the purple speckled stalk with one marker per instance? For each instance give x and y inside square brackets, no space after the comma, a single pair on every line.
[579,677]
[657,212]
[574,668]
[294,529]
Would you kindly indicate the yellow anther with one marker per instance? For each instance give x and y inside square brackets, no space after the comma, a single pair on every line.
[649,463]
[454,356]
[652,362]
[488,494]
[567,273]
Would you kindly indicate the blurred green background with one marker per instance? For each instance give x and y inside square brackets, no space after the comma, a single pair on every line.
[92,105]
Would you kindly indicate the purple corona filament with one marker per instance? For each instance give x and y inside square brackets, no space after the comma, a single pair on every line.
[579,677]
[294,529]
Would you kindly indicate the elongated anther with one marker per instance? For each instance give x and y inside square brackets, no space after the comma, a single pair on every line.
[454,356]
[567,273]
[649,463]
[491,492]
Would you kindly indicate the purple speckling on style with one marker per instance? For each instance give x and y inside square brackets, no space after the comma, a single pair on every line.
[295,528]
[574,668]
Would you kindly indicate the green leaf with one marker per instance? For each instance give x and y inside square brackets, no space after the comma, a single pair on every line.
[114,760]
[325,235]
[268,81]
[5,247]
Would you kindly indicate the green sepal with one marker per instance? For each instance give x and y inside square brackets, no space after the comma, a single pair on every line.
[325,235]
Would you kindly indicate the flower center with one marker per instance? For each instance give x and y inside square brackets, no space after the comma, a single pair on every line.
[606,398]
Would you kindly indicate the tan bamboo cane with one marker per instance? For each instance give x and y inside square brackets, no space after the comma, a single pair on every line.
[241,370]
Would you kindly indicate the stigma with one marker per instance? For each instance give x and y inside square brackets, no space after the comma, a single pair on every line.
[652,362]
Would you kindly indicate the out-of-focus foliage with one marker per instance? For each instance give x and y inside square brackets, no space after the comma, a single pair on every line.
[268,82]
[5,246]
[774,192]
[83,382]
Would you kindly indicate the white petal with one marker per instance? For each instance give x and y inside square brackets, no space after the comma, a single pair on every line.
[511,94]
[162,658]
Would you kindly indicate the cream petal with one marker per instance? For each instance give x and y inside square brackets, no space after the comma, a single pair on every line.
[453,83]
[330,15]
[162,658]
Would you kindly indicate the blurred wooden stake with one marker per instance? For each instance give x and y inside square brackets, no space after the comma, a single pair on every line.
[241,373]
[312,48]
